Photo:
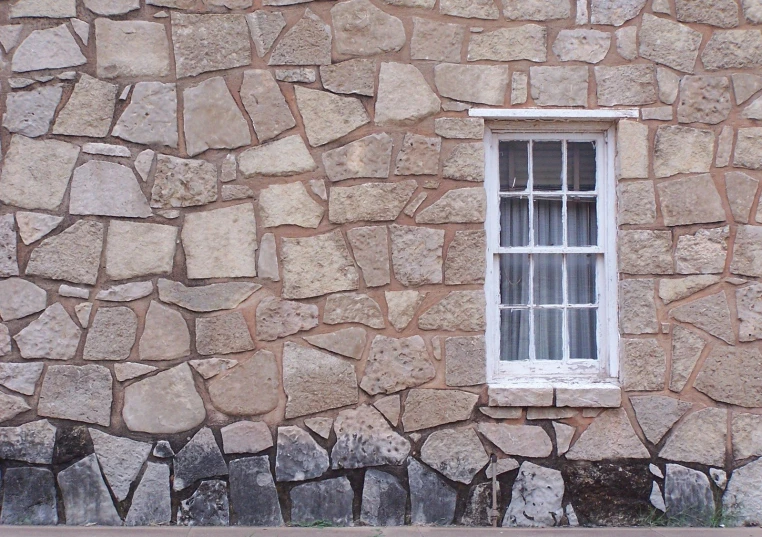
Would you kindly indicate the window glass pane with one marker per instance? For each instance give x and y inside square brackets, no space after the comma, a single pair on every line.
[580,271]
[514,166]
[514,335]
[514,221]
[548,279]
[582,224]
[548,222]
[580,166]
[582,334]
[548,338]
[547,163]
[514,279]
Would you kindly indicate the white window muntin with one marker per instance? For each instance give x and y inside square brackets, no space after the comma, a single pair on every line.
[606,328]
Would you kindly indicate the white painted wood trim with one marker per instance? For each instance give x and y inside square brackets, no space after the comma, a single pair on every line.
[558,114]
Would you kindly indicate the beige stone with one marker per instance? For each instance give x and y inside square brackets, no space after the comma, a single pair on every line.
[465,162]
[396,364]
[404,96]
[287,156]
[8,247]
[522,440]
[417,255]
[278,318]
[625,84]
[466,260]
[746,435]
[609,436]
[669,43]
[89,110]
[615,13]
[699,438]
[370,246]
[458,310]
[474,9]
[643,365]
[183,183]
[250,388]
[209,43]
[105,188]
[419,155]
[747,252]
[53,335]
[226,333]
[733,49]
[519,82]
[165,335]
[656,414]
[722,13]
[112,7]
[112,334]
[150,118]
[267,262]
[134,250]
[465,361]
[748,302]
[460,205]
[353,308]
[637,312]
[221,243]
[627,42]
[349,342]
[704,99]
[361,29]
[51,48]
[211,367]
[526,42]
[682,150]
[389,406]
[289,204]
[205,298]
[459,128]
[328,117]
[351,76]
[669,85]
[703,252]
[20,298]
[317,265]
[456,453]
[690,200]
[686,350]
[710,314]
[370,202]
[637,202]
[427,408]
[124,371]
[126,292]
[401,307]
[315,381]
[436,41]
[131,49]
[559,86]
[246,437]
[77,393]
[265,27]
[473,83]
[34,226]
[589,46]
[677,289]
[73,255]
[58,9]
[308,42]
[632,150]
[745,85]
[732,375]
[368,157]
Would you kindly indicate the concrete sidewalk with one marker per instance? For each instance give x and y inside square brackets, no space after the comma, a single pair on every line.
[65,531]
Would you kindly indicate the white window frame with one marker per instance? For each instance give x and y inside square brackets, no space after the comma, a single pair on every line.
[606,366]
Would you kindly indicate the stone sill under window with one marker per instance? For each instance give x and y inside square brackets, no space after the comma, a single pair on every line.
[544,392]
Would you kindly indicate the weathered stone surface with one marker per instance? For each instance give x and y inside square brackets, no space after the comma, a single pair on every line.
[211,367]
[432,500]
[353,308]
[526,42]
[223,334]
[126,292]
[657,414]
[31,442]
[615,13]
[627,42]
[456,453]
[317,265]
[329,501]
[73,255]
[151,502]
[246,437]
[308,42]
[417,255]
[250,388]
[267,262]
[298,457]
[53,335]
[75,292]
[164,403]
[20,298]
[459,128]
[383,500]
[29,497]
[121,459]
[212,119]
[710,314]
[682,150]
[198,459]
[479,505]
[51,48]
[34,226]
[209,43]
[361,29]
[419,155]
[364,438]
[278,318]
[221,243]
[669,43]
[637,314]
[135,250]
[472,9]
[426,408]
[90,109]
[589,46]
[436,41]
[465,361]
[625,84]
[287,156]
[740,189]
[315,381]
[265,104]
[688,496]
[107,189]
[85,496]
[78,393]
[389,406]
[370,247]
[131,49]
[404,96]
[348,342]
[632,151]
[165,335]
[401,306]
[111,335]
[749,314]
[690,200]
[723,13]
[745,85]
[217,296]
[59,9]
[459,310]
[36,172]
[253,498]
[559,86]
[699,438]
[747,153]
[519,82]
[610,436]
[20,378]
[742,496]
[30,113]
[536,497]
[703,252]
[265,27]
[746,435]
[473,83]
[733,49]
[731,375]
[320,426]
[5,343]
[10,35]
[207,507]
[395,364]
[369,201]
[686,350]
[289,204]
[112,7]
[11,406]
[129,370]
[8,257]
[151,116]
[747,254]
[704,99]
[523,440]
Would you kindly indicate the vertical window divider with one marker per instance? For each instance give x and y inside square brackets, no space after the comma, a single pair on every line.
[565,243]
[530,188]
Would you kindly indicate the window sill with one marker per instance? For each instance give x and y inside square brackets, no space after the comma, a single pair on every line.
[556,392]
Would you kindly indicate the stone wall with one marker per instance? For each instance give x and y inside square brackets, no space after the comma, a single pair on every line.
[242,252]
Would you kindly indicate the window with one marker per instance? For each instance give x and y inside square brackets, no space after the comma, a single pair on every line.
[551,268]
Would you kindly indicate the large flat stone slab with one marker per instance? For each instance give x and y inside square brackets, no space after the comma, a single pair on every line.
[329,500]
[131,49]
[198,459]
[253,497]
[86,499]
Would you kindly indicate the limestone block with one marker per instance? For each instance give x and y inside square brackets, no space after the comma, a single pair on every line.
[459,128]
[267,262]
[627,42]
[353,308]
[747,252]
[361,29]
[54,9]
[466,262]
[559,86]
[669,43]
[112,334]
[625,85]
[151,503]
[536,497]
[610,436]
[401,307]
[34,226]
[51,48]
[289,204]
[733,49]
[308,42]
[474,83]
[419,155]
[682,150]
[456,453]
[223,334]
[710,314]
[86,498]
[742,496]
[699,438]
[250,388]
[183,183]
[287,156]
[703,252]
[265,104]
[371,202]
[632,150]
[615,13]
[299,457]
[688,495]
[472,9]
[77,393]
[370,247]
[329,500]
[10,35]
[730,375]
[427,408]
[722,13]
[436,41]
[465,163]
[253,497]
[105,188]
[589,46]
[265,27]
[745,85]
[536,10]
[205,43]
[519,83]
[131,49]
[129,370]
[89,110]
[432,500]
[677,289]
[383,500]
[657,414]
[749,314]
[21,378]
[364,438]
[246,437]
[213,297]
[349,342]
[278,318]
[73,255]
[30,113]
[637,203]
[150,118]
[458,310]
[404,96]
[121,459]
[31,442]
[396,364]
[460,205]
[199,458]
[690,200]
[112,7]
[417,254]
[8,259]
[165,334]
[686,350]
[526,42]
[524,440]
[704,99]
[746,437]
[351,76]
[637,314]
[134,250]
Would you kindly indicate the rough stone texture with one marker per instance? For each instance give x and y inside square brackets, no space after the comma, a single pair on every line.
[308,42]
[89,110]
[30,113]
[396,364]
[164,403]
[267,262]
[669,43]
[688,496]
[353,308]
[351,76]
[298,457]
[253,498]
[589,46]
[121,459]
[458,454]
[730,375]
[20,298]
[131,49]
[746,437]
[289,204]
[740,189]
[151,502]
[53,335]
[246,437]
[126,292]
[404,96]
[111,335]
[686,350]
[34,226]
[135,250]
[742,496]
[78,393]
[682,150]
[265,27]
[723,13]
[349,342]
[436,41]
[473,83]
[52,48]
[265,104]
[209,43]
[632,151]
[129,371]
[221,243]
[637,314]
[151,116]
[465,163]
[198,459]
[710,314]
[643,364]
[279,318]
[559,86]
[370,247]
[364,438]
[465,361]
[610,436]
[329,501]
[691,200]
[21,378]
[704,99]
[361,29]
[703,252]
[732,49]
[747,254]
[223,334]
[320,426]
[419,155]
[73,255]
[11,406]
[287,156]
[85,496]
[207,507]
[31,442]
[748,305]
[745,85]
[615,13]
[328,117]
[383,500]
[523,440]
[536,497]
[108,189]
[369,201]
[626,84]
[165,335]
[426,408]
[699,438]
[526,42]
[402,306]
[417,255]
[459,310]
[248,389]
[657,414]
[29,497]
[627,42]
[432,500]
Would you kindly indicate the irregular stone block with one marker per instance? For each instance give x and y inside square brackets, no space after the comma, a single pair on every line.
[29,497]
[627,42]
[317,265]
[223,334]
[21,378]
[112,334]
[615,13]
[198,459]
[329,500]
[395,364]
[645,252]
[308,42]
[121,459]
[747,306]
[727,376]
[328,117]
[112,7]
[401,307]
[459,128]
[432,500]
[89,110]
[404,96]
[131,49]
[207,507]
[11,406]
[30,113]
[609,436]
[265,27]
[129,371]
[456,453]
[78,393]
[364,438]
[473,83]
[135,250]
[349,342]
[732,49]
[643,365]
[353,308]
[710,314]
[688,496]
[669,43]
[699,438]
[369,201]
[625,84]
[458,310]
[183,183]
[246,437]
[704,99]
[742,496]
[85,496]
[638,312]
[20,298]
[253,498]
[289,204]
[107,189]
[151,501]
[298,457]
[522,440]
[205,298]
[745,85]
[747,441]
[722,13]
[383,500]
[370,247]
[436,41]
[278,318]
[150,118]
[31,442]
[165,334]
[53,335]
[417,255]
[419,155]
[657,414]
[589,46]
[690,200]
[376,34]
[427,408]
[465,361]
[740,189]
[34,226]
[536,497]
[351,76]
[559,86]
[473,9]
[703,252]
[51,48]
[57,9]
[460,205]
[632,151]
[267,262]
[747,254]
[287,156]
[73,255]
[686,350]
[250,388]
[209,43]
[265,104]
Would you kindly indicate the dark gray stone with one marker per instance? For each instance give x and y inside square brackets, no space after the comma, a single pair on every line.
[199,458]
[253,498]
[85,495]
[364,438]
[383,500]
[163,450]
[207,507]
[31,442]
[298,457]
[432,501]
[479,505]
[72,443]
[688,496]
[29,497]
[328,501]
[151,504]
